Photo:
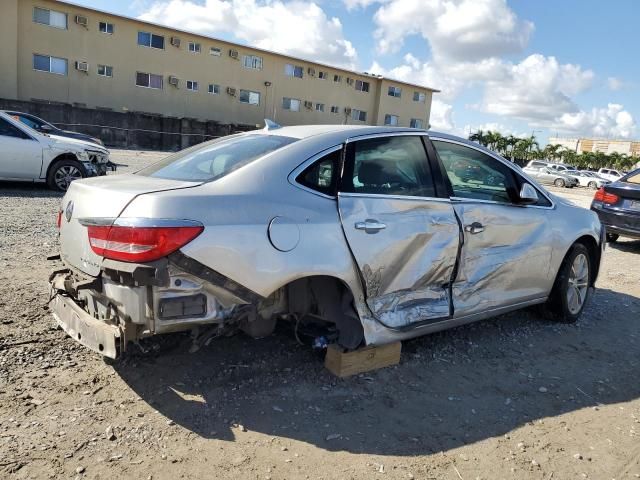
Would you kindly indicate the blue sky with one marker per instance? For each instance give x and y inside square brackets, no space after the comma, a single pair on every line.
[519,66]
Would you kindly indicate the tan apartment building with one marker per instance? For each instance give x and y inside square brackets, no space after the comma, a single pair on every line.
[584,145]
[57,51]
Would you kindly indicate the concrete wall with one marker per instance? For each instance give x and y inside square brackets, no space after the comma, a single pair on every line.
[121,51]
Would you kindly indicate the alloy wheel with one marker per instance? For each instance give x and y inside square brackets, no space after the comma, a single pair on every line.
[578,283]
[65,175]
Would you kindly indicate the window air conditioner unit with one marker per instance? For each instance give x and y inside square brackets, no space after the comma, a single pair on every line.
[308,104]
[311,71]
[175,41]
[231,91]
[82,20]
[347,110]
[82,67]
[175,81]
[233,54]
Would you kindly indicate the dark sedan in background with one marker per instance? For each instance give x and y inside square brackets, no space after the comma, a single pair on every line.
[42,126]
[618,207]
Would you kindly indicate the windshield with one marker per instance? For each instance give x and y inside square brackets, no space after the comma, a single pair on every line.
[213,160]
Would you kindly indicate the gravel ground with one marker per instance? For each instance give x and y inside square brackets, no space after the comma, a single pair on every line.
[515,397]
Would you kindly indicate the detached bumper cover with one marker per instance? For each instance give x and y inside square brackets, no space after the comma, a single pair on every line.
[94,334]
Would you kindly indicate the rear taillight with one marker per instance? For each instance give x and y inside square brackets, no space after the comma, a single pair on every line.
[606,197]
[59,220]
[139,244]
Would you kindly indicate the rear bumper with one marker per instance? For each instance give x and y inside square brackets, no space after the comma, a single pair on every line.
[94,334]
[620,223]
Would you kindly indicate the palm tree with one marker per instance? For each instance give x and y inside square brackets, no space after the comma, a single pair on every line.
[479,137]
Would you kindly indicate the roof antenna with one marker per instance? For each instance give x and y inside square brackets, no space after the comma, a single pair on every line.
[271,125]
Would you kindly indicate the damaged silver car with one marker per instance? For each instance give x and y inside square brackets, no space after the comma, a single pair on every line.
[382,234]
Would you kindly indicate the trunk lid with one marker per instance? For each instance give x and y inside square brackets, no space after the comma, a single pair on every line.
[101,197]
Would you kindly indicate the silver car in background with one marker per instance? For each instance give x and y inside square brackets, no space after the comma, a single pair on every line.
[546,175]
[381,234]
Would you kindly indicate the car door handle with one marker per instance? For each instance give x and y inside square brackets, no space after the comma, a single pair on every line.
[475,227]
[370,226]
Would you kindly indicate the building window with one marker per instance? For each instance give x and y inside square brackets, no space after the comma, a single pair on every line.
[349,81]
[215,51]
[359,115]
[50,17]
[319,107]
[149,80]
[214,89]
[105,27]
[191,85]
[152,40]
[194,47]
[415,123]
[395,92]
[46,63]
[292,104]
[105,70]
[335,109]
[362,86]
[337,78]
[247,96]
[323,75]
[419,97]
[252,61]
[391,120]
[293,71]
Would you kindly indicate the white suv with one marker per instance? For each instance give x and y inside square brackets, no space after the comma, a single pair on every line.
[609,174]
[26,155]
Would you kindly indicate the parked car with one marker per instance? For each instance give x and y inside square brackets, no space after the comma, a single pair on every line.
[587,180]
[537,164]
[552,177]
[42,126]
[242,231]
[609,174]
[618,207]
[26,155]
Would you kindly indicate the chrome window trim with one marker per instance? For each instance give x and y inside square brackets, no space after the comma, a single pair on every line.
[394,197]
[508,165]
[291,178]
[404,133]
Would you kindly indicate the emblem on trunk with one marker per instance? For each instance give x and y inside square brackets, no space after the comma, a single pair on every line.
[69,210]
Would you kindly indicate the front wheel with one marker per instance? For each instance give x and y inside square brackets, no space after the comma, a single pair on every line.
[559,182]
[593,185]
[63,172]
[571,290]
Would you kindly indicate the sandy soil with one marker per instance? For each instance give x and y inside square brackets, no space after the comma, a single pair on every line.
[516,397]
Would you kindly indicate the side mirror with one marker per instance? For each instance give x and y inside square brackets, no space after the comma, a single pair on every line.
[528,194]
[46,128]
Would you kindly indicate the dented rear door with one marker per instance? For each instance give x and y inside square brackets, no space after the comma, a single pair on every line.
[403,238]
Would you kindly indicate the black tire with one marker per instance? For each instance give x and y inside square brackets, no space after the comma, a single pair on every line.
[558,306]
[63,172]
[593,185]
[612,237]
[559,182]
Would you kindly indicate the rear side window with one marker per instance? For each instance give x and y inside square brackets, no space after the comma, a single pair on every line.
[213,160]
[8,130]
[395,165]
[322,174]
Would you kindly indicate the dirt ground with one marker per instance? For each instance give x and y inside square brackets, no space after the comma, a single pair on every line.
[516,397]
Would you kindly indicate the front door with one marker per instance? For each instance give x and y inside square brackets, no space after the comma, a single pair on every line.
[506,254]
[20,155]
[403,238]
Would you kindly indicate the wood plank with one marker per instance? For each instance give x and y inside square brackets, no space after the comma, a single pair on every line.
[344,364]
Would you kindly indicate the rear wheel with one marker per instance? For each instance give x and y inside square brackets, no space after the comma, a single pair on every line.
[63,172]
[593,185]
[612,237]
[571,290]
[559,182]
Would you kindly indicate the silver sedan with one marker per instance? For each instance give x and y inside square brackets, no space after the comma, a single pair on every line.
[375,234]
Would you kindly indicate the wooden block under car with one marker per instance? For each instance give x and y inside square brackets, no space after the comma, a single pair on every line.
[344,364]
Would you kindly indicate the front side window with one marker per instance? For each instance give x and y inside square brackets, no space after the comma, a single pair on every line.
[29,122]
[362,86]
[476,175]
[105,27]
[149,80]
[105,70]
[46,63]
[292,104]
[191,85]
[50,17]
[322,175]
[391,120]
[395,92]
[214,89]
[359,115]
[252,61]
[415,123]
[395,165]
[194,47]
[151,40]
[213,160]
[8,130]
[293,71]
[247,96]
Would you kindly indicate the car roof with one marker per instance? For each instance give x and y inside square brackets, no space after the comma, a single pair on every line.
[306,131]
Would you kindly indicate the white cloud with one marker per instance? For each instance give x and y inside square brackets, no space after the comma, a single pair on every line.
[295,27]
[353,4]
[442,116]
[462,30]
[612,121]
[614,84]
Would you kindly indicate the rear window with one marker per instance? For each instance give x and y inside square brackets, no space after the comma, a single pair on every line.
[213,160]
[633,177]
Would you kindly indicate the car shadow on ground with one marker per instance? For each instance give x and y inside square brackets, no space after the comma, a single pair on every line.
[451,388]
[626,245]
[27,189]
